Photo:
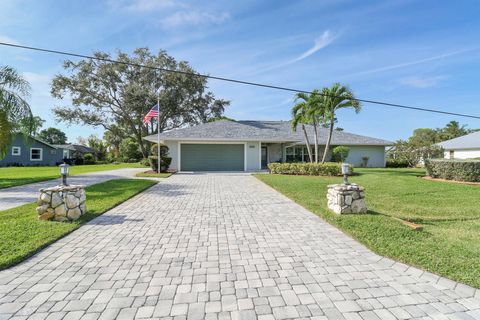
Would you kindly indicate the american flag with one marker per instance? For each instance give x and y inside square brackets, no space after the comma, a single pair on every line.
[153,113]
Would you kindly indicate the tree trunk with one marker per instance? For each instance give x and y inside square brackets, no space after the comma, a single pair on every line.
[307,143]
[315,136]
[327,146]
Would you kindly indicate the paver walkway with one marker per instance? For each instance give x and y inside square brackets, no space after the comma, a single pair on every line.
[221,246]
[17,196]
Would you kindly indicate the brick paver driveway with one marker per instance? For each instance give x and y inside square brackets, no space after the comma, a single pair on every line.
[221,246]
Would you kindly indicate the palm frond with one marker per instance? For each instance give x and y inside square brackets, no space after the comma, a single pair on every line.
[14,109]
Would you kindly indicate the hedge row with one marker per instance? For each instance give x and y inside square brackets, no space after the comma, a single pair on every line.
[397,164]
[309,169]
[460,170]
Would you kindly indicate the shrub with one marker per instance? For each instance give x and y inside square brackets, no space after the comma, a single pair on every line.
[163,150]
[309,169]
[145,162]
[88,158]
[340,153]
[397,164]
[130,150]
[166,161]
[460,170]
[365,161]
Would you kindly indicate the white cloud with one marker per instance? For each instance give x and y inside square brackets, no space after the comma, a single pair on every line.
[412,63]
[142,5]
[422,82]
[37,78]
[319,43]
[325,39]
[6,39]
[193,18]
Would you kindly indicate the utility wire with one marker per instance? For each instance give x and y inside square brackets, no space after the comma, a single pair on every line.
[262,85]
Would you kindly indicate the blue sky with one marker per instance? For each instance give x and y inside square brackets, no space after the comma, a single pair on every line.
[423,53]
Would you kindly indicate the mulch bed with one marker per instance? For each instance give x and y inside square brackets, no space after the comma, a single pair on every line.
[452,181]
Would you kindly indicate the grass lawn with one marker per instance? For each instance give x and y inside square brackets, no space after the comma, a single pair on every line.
[153,174]
[22,234]
[449,245]
[16,176]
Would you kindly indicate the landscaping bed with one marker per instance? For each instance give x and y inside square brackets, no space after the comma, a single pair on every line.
[153,174]
[17,176]
[449,244]
[22,234]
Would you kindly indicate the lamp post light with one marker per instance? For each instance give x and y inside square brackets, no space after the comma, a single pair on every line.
[64,168]
[345,172]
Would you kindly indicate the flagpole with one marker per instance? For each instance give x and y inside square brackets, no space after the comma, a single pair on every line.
[158,133]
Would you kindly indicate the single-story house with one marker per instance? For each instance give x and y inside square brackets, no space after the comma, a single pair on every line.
[251,145]
[464,147]
[74,151]
[30,151]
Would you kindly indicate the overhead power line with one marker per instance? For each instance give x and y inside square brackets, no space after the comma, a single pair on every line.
[256,84]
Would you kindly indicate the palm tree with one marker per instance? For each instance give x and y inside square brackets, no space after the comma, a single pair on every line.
[309,111]
[335,98]
[300,114]
[316,114]
[13,107]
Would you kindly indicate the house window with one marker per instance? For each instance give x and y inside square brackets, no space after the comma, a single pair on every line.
[16,151]
[36,154]
[452,154]
[65,154]
[297,154]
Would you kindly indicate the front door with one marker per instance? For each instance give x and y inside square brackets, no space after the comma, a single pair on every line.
[264,158]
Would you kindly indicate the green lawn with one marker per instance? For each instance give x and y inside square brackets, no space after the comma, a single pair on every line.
[22,234]
[16,176]
[449,245]
[153,175]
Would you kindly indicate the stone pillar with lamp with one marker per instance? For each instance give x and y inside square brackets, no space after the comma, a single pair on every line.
[346,197]
[63,202]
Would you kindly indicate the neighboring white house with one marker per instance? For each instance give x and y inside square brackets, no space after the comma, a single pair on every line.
[464,147]
[251,145]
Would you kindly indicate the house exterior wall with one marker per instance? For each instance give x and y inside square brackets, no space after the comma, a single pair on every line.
[50,156]
[274,152]
[463,154]
[173,153]
[376,154]
[252,154]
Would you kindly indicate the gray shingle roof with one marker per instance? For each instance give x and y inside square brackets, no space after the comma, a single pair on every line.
[75,147]
[469,141]
[266,131]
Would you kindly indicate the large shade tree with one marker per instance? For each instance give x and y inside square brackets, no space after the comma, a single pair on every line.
[14,109]
[335,98]
[108,94]
[53,136]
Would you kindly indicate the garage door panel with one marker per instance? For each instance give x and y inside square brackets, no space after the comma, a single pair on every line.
[212,157]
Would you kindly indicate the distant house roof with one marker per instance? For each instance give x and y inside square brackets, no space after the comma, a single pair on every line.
[265,131]
[75,147]
[469,141]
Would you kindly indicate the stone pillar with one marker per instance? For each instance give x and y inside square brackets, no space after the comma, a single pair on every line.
[62,203]
[346,198]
